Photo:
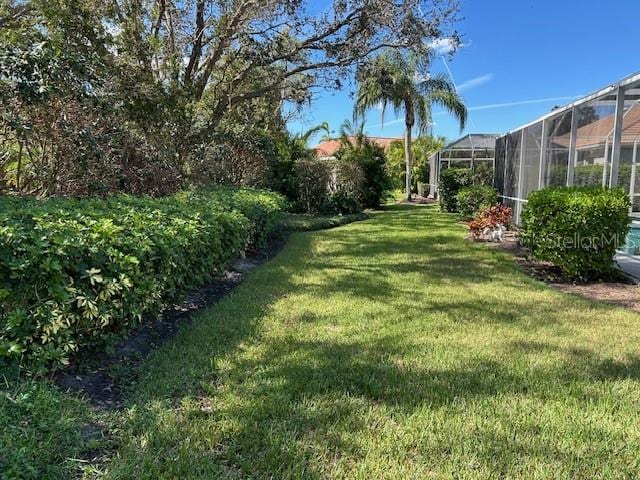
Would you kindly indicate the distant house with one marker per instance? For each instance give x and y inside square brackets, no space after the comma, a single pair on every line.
[327,150]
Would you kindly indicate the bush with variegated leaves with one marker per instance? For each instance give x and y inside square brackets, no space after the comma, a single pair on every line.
[75,271]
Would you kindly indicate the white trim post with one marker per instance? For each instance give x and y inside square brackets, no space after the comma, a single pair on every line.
[543,154]
[572,147]
[606,162]
[632,186]
[617,138]
[520,170]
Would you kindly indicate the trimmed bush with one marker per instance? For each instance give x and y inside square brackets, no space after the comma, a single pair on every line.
[75,271]
[576,228]
[451,181]
[471,200]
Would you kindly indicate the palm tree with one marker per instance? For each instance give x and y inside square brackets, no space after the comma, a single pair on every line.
[352,136]
[397,81]
[299,143]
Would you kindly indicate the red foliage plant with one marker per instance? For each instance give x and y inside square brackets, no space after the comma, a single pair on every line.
[490,218]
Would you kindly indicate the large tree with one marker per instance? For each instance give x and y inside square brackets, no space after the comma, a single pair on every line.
[404,83]
[232,51]
[158,78]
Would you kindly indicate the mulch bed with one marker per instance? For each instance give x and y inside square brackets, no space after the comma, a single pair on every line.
[619,291]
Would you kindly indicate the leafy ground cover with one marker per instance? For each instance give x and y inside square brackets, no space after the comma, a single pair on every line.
[389,348]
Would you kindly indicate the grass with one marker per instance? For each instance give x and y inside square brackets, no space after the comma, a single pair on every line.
[390,348]
[302,222]
[42,432]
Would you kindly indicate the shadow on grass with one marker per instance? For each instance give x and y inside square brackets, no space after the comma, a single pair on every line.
[247,391]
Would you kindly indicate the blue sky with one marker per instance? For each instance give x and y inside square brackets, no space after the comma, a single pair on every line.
[518,60]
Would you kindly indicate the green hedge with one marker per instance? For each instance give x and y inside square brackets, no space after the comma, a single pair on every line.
[576,228]
[471,200]
[74,271]
[451,181]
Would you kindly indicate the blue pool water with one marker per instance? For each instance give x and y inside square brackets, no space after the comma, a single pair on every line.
[632,245]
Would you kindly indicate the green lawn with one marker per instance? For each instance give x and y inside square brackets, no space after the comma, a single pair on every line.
[389,348]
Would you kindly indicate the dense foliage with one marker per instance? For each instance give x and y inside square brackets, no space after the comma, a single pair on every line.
[489,219]
[471,200]
[150,97]
[73,271]
[451,181]
[482,173]
[576,228]
[312,181]
[422,148]
[371,185]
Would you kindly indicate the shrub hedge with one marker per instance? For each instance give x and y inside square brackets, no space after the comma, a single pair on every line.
[471,200]
[451,181]
[74,271]
[576,228]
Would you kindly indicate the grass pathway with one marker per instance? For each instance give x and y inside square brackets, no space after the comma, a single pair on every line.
[391,348]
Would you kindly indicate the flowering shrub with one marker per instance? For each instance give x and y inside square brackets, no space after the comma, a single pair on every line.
[74,271]
[490,219]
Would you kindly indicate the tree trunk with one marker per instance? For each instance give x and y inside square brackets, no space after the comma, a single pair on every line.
[408,155]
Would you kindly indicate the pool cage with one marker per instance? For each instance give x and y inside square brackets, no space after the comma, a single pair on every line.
[593,141]
[473,150]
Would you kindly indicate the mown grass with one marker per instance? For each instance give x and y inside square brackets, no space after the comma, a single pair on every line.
[390,348]
[42,432]
[303,222]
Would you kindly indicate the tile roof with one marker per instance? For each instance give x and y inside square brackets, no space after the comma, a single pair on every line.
[596,133]
[330,147]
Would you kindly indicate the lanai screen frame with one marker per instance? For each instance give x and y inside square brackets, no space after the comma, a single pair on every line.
[438,159]
[556,136]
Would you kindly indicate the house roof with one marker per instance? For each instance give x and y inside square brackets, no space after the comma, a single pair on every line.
[596,133]
[330,147]
[474,140]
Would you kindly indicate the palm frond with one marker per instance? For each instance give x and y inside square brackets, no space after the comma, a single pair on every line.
[451,102]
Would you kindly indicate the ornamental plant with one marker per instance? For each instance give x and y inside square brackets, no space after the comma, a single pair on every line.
[451,181]
[489,219]
[73,272]
[576,228]
[471,200]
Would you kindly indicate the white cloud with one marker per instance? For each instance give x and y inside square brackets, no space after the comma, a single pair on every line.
[475,82]
[444,46]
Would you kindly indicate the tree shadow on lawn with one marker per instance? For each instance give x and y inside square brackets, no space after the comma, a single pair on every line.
[232,397]
[303,403]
